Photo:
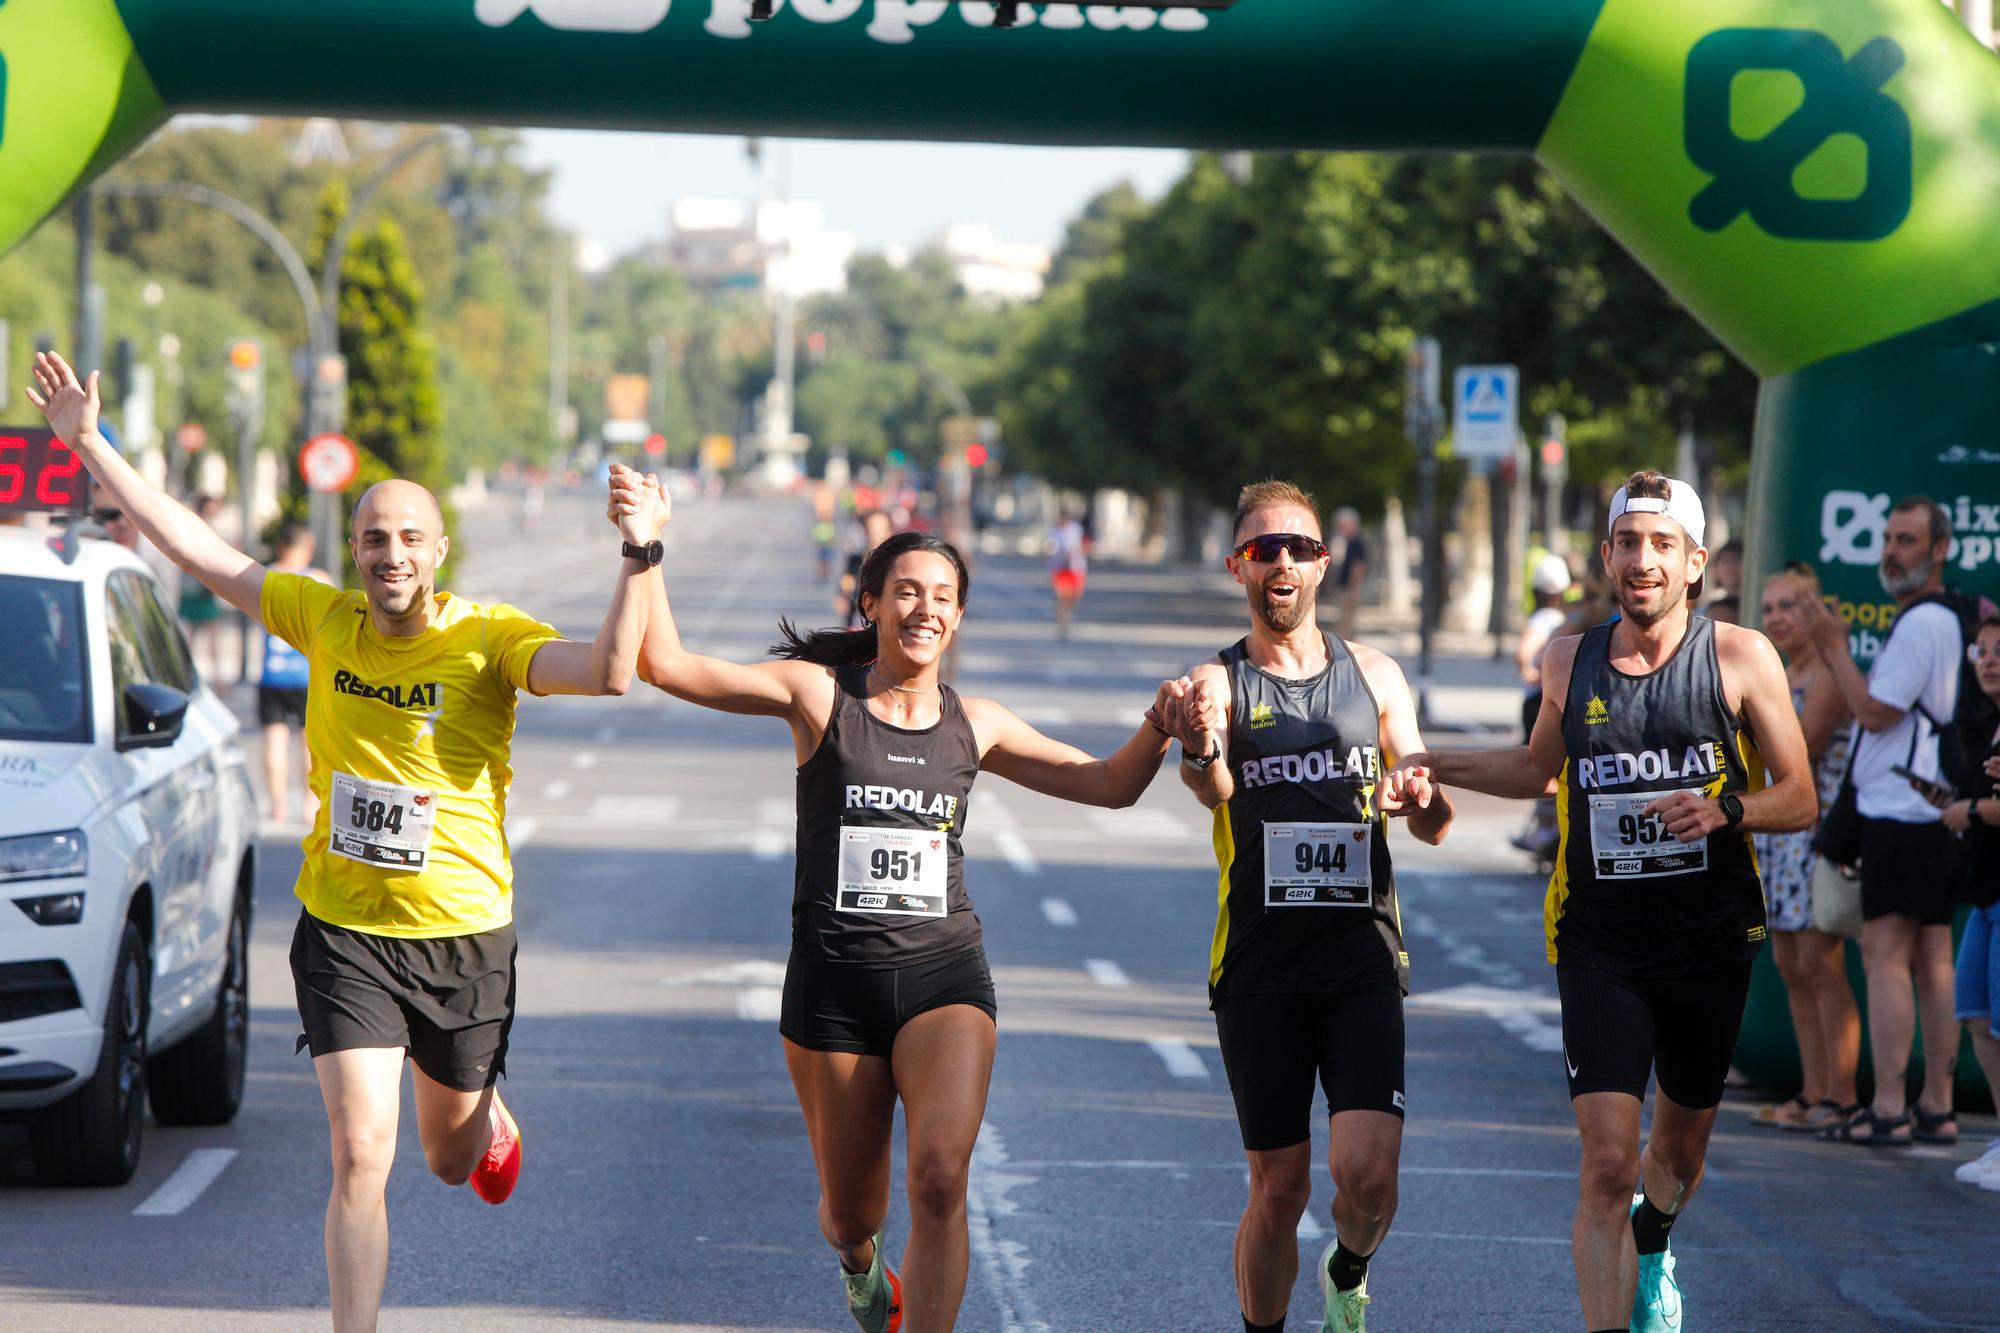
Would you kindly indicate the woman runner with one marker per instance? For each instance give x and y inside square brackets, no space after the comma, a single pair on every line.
[887,992]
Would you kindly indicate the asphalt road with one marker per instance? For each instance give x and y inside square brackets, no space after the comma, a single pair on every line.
[667,1180]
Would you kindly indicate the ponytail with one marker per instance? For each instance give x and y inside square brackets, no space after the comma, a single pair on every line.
[826,647]
[857,647]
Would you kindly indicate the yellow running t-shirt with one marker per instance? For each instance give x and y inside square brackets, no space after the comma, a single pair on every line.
[409,742]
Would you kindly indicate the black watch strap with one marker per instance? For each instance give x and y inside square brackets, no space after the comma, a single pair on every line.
[1201,761]
[652,552]
[1732,809]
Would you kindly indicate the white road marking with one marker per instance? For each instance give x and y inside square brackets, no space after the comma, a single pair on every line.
[1522,1012]
[1146,822]
[1015,848]
[185,1185]
[1180,1058]
[1044,715]
[584,760]
[749,972]
[774,811]
[643,811]
[770,844]
[1004,1262]
[760,1004]
[994,815]
[521,831]
[1058,912]
[1310,1231]
[555,791]
[1106,973]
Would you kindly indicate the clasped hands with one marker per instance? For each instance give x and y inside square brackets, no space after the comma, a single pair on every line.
[638,505]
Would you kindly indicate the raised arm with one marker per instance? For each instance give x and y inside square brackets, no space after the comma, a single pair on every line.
[1428,810]
[71,407]
[1518,772]
[1016,751]
[605,664]
[1201,721]
[1830,637]
[795,690]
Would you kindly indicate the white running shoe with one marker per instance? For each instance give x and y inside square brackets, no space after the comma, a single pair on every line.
[1983,1170]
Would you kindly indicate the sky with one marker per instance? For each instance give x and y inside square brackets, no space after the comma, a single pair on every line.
[617,188]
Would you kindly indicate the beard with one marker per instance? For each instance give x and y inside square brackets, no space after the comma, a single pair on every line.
[1672,598]
[1284,619]
[398,602]
[1904,584]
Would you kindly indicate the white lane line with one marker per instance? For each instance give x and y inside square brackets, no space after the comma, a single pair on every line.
[1003,1262]
[1058,912]
[1533,1016]
[760,1004]
[1106,973]
[1180,1058]
[1015,848]
[520,831]
[584,760]
[185,1185]
[1310,1230]
[643,811]
[770,844]
[555,791]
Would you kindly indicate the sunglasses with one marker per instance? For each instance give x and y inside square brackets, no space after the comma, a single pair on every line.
[107,515]
[1265,549]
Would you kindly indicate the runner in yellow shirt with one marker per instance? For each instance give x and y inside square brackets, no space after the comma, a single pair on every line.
[406,944]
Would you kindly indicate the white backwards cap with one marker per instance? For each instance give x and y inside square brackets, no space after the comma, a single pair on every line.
[1682,505]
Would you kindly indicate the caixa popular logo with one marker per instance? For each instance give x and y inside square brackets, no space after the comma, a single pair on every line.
[1851,525]
[891,21]
[1841,104]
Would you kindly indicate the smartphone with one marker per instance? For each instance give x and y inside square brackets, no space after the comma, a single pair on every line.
[1935,792]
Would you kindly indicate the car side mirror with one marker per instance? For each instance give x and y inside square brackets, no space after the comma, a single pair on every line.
[150,716]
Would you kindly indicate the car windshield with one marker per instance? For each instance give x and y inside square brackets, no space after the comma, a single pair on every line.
[42,682]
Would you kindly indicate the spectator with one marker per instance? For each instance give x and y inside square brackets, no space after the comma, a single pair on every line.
[200,612]
[281,687]
[1353,573]
[870,528]
[1812,962]
[1725,610]
[1550,583]
[1725,574]
[1069,566]
[1908,857]
[1977,817]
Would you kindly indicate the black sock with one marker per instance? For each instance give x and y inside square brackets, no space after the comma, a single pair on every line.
[1650,1227]
[1347,1269]
[1249,1327]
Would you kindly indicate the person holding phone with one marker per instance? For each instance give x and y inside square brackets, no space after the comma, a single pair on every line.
[1908,857]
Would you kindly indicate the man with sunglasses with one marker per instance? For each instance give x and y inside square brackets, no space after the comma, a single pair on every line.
[1285,735]
[1656,731]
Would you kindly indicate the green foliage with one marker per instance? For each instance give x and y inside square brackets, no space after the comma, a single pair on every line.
[392,393]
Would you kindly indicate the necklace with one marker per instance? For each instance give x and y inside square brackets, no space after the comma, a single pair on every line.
[900,689]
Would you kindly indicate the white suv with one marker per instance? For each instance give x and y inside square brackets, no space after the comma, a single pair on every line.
[126,826]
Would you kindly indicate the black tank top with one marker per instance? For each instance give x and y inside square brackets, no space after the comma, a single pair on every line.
[880,874]
[1305,756]
[1625,894]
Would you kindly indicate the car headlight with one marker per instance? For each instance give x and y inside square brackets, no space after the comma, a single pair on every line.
[43,856]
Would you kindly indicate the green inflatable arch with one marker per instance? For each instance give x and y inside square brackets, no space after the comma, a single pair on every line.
[1817,180]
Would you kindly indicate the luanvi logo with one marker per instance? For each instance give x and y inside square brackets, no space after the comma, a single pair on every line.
[1842,105]
[893,22]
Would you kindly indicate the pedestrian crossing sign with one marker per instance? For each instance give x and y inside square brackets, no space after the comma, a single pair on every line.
[1486,411]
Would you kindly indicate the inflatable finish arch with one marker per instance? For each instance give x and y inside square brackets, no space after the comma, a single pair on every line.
[1817,180]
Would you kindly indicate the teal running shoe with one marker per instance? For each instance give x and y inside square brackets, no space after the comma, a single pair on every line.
[1345,1310]
[1656,1305]
[875,1298]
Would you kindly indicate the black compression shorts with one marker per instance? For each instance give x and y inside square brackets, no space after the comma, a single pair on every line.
[1618,1029]
[449,1002]
[831,1006]
[1272,1045]
[278,706]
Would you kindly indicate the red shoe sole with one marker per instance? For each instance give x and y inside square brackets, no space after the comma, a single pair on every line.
[895,1300]
[493,1179]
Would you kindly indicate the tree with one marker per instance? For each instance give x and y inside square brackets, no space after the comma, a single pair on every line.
[392,390]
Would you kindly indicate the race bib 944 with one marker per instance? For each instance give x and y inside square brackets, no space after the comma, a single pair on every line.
[1318,865]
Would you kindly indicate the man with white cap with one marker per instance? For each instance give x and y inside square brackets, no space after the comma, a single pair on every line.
[1656,730]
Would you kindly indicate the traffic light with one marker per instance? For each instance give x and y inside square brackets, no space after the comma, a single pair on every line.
[975,455]
[1555,448]
[326,403]
[656,445]
[244,385]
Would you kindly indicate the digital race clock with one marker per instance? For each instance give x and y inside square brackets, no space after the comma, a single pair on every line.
[39,472]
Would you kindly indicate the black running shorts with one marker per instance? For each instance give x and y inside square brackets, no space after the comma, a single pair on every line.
[278,706]
[831,1006]
[1619,1029]
[448,1002]
[1908,870]
[1272,1045]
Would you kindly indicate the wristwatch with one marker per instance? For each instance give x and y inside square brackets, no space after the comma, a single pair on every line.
[1201,761]
[1732,809]
[652,552]
[1972,814]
